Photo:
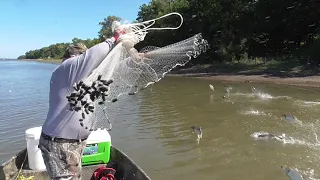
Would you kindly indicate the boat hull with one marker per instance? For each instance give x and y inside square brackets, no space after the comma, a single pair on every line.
[124,166]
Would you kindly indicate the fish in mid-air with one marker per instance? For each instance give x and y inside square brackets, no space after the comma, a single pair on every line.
[254,90]
[198,132]
[211,87]
[228,89]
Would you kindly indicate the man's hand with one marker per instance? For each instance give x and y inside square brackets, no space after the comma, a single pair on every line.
[117,33]
[141,55]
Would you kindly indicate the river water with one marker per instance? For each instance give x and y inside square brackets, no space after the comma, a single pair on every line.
[154,127]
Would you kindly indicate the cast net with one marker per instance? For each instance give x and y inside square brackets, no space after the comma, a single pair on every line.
[125,72]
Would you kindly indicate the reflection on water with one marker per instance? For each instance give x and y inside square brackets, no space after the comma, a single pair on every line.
[154,126]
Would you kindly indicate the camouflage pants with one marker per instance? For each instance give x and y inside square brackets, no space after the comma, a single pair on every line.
[62,159]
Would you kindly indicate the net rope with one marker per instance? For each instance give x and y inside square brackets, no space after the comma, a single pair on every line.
[125,72]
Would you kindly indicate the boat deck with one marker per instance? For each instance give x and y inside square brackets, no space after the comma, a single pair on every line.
[125,168]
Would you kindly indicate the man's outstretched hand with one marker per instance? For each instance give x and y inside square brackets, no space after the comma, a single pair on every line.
[117,33]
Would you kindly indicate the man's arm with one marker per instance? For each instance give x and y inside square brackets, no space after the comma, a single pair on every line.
[129,46]
[82,66]
[93,57]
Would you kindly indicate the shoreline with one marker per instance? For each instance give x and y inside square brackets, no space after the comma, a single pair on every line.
[53,61]
[273,72]
[308,81]
[283,79]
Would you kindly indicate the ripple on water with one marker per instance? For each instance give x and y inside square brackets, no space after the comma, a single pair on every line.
[307,103]
[255,112]
[255,95]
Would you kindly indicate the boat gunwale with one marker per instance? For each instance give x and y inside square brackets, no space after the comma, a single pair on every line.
[10,168]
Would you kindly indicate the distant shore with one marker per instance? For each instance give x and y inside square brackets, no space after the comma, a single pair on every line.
[302,78]
[51,61]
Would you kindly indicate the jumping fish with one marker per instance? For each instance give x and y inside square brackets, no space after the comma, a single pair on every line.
[228,89]
[211,87]
[291,173]
[266,136]
[291,118]
[254,90]
[198,132]
[271,136]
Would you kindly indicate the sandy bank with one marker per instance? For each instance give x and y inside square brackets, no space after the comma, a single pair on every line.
[310,81]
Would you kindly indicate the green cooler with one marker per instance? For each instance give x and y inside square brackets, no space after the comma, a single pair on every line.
[98,147]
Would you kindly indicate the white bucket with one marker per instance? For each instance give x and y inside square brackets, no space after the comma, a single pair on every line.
[34,153]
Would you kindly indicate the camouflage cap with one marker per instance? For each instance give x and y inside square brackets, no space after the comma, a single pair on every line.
[75,49]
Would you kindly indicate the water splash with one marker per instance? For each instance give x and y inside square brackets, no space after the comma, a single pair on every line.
[292,173]
[211,98]
[263,96]
[226,99]
[309,173]
[309,141]
[291,119]
[282,97]
[260,95]
[262,135]
[295,173]
[255,112]
[228,89]
[307,103]
[243,94]
[312,102]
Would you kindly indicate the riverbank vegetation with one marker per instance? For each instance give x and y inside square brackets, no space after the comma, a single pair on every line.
[278,34]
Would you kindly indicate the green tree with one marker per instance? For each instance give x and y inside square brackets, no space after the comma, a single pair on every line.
[22,57]
[105,31]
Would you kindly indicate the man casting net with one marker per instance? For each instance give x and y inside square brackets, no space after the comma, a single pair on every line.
[125,71]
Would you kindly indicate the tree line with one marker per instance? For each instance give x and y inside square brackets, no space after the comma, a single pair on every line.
[235,29]
[57,51]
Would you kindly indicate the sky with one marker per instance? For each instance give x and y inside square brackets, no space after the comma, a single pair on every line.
[33,24]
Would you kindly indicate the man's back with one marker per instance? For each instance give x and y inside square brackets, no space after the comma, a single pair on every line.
[61,122]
